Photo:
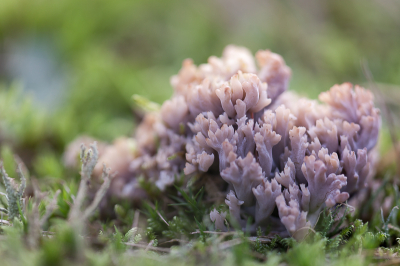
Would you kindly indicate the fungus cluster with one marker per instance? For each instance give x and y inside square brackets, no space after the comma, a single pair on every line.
[276,151]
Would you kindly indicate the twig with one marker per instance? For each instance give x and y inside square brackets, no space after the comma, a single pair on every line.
[166,250]
[159,214]
[230,243]
[4,222]
[162,218]
[262,240]
[136,219]
[214,232]
[172,241]
[222,237]
[149,245]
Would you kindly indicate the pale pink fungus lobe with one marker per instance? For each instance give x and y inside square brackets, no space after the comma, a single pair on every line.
[273,148]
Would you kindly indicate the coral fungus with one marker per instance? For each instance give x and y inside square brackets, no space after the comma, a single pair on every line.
[274,149]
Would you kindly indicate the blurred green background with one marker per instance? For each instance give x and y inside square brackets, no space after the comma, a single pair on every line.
[70,67]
